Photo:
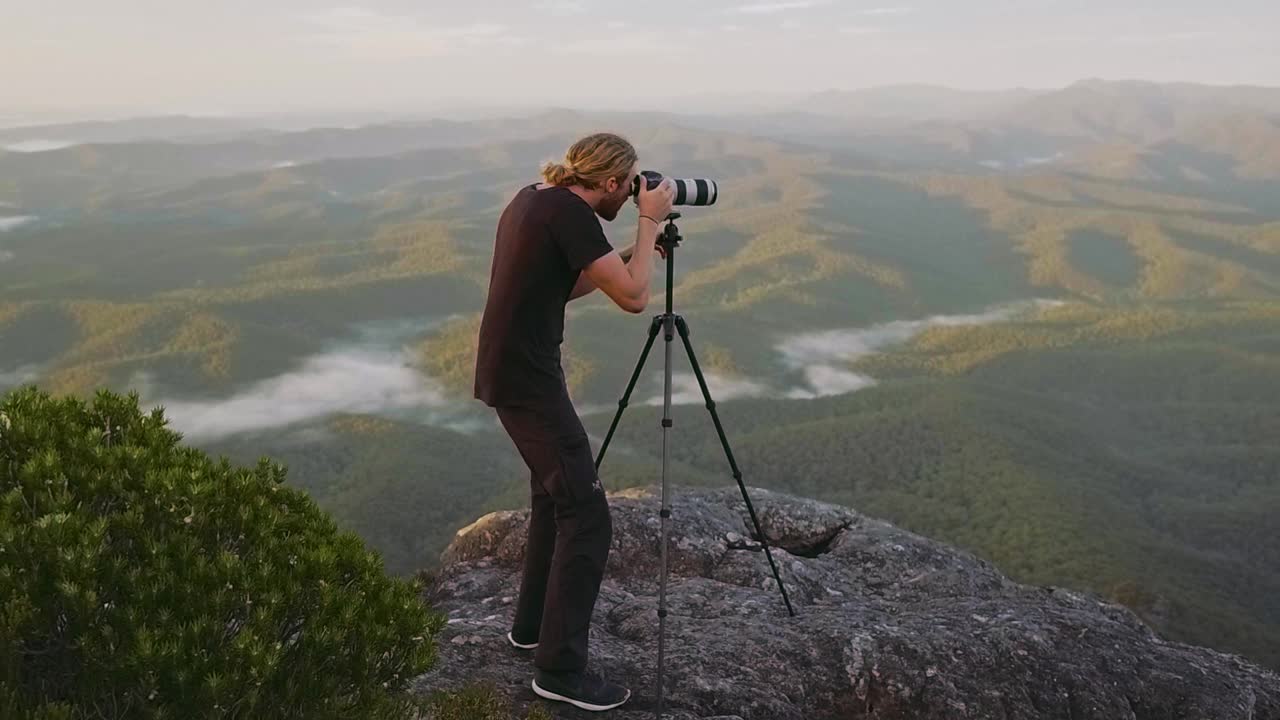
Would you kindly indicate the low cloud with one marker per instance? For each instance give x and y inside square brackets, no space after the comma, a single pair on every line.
[347,380]
[1025,162]
[369,378]
[685,389]
[35,146]
[825,380]
[14,221]
[822,358]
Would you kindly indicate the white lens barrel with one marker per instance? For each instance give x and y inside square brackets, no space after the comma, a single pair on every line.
[695,192]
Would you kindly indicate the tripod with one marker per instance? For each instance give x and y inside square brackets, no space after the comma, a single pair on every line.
[670,324]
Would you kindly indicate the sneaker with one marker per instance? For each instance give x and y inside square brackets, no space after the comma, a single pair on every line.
[580,689]
[516,643]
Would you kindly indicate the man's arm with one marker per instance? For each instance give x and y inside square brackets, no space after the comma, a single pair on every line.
[585,286]
[627,284]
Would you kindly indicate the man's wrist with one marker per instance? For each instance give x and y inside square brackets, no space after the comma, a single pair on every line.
[650,218]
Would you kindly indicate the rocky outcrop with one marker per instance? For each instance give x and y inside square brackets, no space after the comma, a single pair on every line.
[888,624]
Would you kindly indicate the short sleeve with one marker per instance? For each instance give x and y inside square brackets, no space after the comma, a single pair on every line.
[576,230]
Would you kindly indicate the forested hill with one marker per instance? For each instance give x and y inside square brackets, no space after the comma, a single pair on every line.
[1039,326]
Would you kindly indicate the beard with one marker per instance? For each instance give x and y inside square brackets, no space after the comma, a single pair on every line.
[611,204]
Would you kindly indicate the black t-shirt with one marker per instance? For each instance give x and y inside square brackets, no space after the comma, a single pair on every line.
[545,238]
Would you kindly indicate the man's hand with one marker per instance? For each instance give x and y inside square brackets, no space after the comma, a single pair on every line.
[656,203]
[626,252]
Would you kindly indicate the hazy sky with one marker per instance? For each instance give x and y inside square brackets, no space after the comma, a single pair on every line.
[268,55]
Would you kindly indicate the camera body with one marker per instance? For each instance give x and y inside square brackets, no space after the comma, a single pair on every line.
[688,192]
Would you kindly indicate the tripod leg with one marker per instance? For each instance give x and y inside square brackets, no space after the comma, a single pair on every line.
[724,442]
[626,396]
[668,335]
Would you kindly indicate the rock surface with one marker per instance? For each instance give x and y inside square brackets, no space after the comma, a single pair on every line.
[888,625]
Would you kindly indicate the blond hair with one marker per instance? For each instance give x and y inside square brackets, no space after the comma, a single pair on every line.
[591,161]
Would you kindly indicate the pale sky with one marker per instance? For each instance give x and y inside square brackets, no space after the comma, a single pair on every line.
[226,56]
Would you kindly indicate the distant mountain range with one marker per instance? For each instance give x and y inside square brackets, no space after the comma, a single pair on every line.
[1094,105]
[1120,130]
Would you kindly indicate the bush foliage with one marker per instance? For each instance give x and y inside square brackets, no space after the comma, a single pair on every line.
[141,579]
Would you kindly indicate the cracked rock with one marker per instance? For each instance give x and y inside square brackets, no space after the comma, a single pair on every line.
[889,625]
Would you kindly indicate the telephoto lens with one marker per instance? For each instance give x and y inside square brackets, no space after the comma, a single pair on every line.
[688,192]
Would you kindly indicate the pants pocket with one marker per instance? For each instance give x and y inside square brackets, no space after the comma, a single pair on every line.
[578,470]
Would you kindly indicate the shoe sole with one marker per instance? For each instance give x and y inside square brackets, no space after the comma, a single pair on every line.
[577,703]
[518,645]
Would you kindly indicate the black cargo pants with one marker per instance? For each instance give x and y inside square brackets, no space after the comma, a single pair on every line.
[569,533]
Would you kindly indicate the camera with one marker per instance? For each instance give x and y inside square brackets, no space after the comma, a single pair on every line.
[688,192]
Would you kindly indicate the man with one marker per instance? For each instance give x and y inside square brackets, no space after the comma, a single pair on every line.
[551,249]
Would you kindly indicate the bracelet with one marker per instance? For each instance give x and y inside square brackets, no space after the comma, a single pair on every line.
[655,222]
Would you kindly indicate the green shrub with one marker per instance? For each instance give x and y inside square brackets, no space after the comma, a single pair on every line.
[141,579]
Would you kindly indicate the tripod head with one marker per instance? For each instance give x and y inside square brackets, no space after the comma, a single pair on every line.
[670,237]
[669,240]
